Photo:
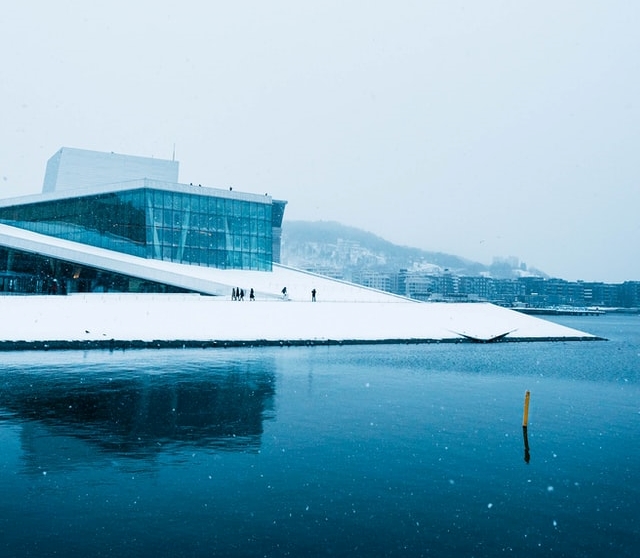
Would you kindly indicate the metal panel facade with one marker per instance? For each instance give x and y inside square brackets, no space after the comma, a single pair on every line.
[72,169]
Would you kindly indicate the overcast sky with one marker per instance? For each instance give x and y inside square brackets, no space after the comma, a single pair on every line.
[477,128]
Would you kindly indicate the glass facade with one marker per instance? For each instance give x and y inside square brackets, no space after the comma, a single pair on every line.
[23,273]
[160,223]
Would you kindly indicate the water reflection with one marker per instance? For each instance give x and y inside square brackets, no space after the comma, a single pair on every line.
[525,436]
[377,450]
[138,413]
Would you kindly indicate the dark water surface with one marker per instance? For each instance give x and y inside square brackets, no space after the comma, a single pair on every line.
[393,450]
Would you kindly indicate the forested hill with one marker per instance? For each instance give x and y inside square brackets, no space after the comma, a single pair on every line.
[323,243]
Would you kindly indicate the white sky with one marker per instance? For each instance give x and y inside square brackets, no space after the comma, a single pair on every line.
[479,129]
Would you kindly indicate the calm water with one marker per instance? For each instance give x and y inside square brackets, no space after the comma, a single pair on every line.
[408,450]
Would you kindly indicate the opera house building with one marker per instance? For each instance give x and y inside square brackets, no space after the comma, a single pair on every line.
[134,206]
[135,249]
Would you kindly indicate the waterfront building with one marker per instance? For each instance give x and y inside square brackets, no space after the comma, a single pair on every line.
[146,233]
[133,206]
[420,286]
[602,294]
[479,287]
[630,294]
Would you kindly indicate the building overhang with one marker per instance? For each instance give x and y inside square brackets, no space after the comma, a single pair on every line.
[138,184]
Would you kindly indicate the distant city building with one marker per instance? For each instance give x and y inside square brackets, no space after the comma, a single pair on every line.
[376,280]
[508,282]
[630,294]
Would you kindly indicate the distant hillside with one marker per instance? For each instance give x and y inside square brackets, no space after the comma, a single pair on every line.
[328,244]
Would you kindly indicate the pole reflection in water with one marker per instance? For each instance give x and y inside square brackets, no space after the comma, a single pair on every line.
[525,422]
[527,455]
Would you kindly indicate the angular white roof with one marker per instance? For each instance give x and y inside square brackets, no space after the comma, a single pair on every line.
[343,311]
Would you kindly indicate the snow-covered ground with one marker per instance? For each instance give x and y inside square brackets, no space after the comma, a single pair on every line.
[343,311]
[161,317]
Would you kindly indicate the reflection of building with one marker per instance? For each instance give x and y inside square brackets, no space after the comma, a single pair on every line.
[129,205]
[142,415]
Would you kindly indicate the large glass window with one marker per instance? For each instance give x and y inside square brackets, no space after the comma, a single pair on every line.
[175,226]
[27,273]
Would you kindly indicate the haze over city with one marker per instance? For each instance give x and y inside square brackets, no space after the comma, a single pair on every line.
[480,129]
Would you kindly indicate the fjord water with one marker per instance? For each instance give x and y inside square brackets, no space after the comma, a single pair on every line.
[382,450]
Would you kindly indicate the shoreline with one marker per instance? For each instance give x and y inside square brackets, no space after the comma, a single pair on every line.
[115,321]
[123,345]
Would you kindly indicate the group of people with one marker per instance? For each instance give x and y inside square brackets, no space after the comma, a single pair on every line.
[238,294]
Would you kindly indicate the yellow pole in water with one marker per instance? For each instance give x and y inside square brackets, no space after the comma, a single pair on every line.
[525,418]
